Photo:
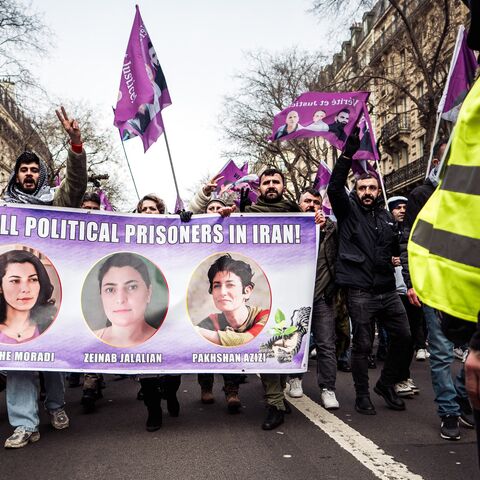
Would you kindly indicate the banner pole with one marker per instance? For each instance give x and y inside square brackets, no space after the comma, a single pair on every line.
[131,173]
[432,145]
[171,163]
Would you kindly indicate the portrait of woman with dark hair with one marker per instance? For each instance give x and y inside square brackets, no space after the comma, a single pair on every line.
[26,305]
[125,291]
[231,286]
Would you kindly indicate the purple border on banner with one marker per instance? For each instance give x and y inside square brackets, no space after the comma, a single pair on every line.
[74,241]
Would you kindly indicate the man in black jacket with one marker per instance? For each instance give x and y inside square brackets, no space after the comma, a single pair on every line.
[367,243]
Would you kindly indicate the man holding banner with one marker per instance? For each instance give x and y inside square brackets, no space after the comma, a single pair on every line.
[28,185]
[271,200]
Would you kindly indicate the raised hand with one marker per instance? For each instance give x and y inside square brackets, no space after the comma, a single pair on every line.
[211,186]
[70,125]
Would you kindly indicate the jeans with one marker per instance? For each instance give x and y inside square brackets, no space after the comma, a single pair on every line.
[323,328]
[22,397]
[363,307]
[441,359]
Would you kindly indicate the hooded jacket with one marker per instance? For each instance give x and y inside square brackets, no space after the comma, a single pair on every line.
[367,237]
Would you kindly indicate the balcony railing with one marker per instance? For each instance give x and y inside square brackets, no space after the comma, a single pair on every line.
[406,175]
[399,124]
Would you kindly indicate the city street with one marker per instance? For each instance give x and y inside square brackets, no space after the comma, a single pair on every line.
[205,442]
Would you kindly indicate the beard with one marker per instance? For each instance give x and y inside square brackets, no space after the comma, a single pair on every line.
[311,208]
[367,197]
[29,185]
[269,198]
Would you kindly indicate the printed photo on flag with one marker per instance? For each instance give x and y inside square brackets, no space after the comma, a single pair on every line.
[143,91]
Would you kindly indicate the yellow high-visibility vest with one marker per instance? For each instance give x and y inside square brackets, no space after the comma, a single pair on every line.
[444,246]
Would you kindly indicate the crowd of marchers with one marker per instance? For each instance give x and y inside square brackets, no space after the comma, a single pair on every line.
[362,287]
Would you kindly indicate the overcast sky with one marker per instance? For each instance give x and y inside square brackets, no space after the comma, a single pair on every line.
[200,45]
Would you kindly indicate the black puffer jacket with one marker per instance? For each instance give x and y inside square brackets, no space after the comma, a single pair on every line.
[367,237]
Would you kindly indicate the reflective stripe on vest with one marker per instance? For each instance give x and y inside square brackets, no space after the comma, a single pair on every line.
[444,247]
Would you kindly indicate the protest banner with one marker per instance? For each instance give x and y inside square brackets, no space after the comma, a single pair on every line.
[103,292]
[331,115]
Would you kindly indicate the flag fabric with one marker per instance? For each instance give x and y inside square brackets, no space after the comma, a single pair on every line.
[321,184]
[359,167]
[143,91]
[179,205]
[231,179]
[104,202]
[331,115]
[460,78]
[368,148]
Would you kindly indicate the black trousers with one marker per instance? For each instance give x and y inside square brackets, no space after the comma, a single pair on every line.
[231,381]
[363,307]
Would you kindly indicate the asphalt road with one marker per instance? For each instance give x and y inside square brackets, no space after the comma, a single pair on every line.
[205,442]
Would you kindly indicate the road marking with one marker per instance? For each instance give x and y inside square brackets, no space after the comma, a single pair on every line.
[363,449]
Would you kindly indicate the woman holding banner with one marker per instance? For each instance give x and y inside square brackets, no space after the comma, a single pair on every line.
[26,305]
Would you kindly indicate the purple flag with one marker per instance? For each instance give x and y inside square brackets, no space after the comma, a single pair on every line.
[360,167]
[460,78]
[232,179]
[143,90]
[179,205]
[104,202]
[321,184]
[368,148]
[331,115]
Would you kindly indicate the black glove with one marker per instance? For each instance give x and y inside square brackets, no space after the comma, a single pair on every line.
[244,199]
[353,144]
[185,215]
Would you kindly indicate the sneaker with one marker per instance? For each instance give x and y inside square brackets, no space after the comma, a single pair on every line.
[421,355]
[449,428]
[295,388]
[403,389]
[412,386]
[328,399]
[21,438]
[59,419]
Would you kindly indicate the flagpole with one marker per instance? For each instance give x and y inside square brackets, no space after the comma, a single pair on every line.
[432,145]
[171,163]
[131,173]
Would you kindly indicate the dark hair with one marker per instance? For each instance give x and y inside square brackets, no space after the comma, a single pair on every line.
[344,110]
[43,311]
[312,191]
[269,172]
[124,259]
[92,197]
[25,158]
[226,263]
[153,198]
[436,148]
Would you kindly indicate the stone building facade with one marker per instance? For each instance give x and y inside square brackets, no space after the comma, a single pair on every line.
[382,56]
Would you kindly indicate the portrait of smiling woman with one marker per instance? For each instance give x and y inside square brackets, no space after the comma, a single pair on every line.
[26,305]
[242,306]
[126,285]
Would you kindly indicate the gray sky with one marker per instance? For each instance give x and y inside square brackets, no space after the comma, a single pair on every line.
[200,45]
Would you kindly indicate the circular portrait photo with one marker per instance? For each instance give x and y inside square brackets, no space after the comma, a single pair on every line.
[124,299]
[229,299]
[30,294]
